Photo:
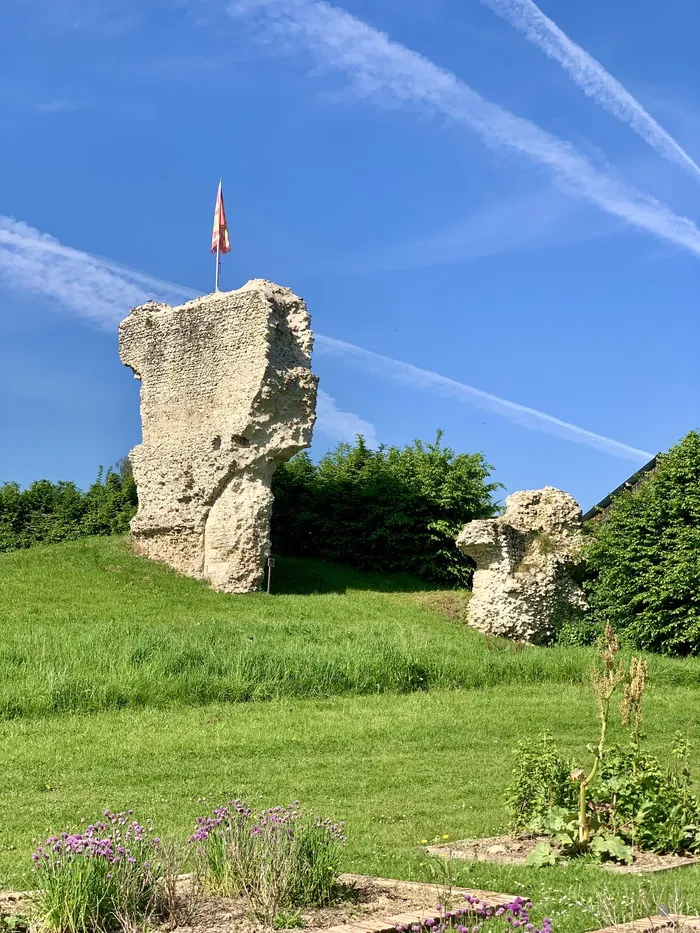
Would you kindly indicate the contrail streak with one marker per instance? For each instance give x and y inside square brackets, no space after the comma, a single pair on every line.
[95,288]
[590,76]
[414,377]
[389,75]
[102,291]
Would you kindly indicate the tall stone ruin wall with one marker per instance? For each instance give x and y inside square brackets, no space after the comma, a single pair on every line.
[227,394]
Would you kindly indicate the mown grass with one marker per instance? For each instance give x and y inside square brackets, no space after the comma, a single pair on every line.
[87,626]
[398,769]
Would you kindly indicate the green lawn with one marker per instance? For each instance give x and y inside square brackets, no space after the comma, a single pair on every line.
[396,768]
[88,626]
[390,749]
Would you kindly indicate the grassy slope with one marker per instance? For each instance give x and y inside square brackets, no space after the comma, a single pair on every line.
[89,625]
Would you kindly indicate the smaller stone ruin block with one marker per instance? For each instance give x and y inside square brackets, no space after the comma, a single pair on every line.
[524,586]
[227,394]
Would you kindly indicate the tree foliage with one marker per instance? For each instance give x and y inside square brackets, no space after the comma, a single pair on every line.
[51,512]
[391,509]
[644,558]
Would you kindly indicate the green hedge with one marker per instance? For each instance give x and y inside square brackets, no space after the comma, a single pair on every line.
[391,509]
[49,512]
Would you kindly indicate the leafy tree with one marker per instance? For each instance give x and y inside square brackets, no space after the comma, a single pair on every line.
[645,557]
[391,509]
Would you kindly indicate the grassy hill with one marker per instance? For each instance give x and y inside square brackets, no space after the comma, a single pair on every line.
[121,686]
[87,626]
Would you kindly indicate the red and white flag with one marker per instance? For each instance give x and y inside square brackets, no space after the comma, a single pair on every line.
[219,238]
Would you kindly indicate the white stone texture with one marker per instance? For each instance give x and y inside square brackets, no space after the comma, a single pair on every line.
[227,394]
[523,584]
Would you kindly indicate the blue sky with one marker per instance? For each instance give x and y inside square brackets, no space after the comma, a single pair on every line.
[490,207]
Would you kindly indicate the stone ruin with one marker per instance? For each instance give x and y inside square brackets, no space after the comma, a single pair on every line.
[523,583]
[227,394]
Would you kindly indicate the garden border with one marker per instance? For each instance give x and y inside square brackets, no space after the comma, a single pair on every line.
[650,924]
[367,925]
[389,924]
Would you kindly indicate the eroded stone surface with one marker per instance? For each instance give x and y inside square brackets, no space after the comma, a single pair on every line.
[523,584]
[227,394]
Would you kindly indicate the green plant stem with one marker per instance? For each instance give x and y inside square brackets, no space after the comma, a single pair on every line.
[583,822]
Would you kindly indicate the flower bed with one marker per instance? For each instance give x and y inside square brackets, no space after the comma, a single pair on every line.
[252,871]
[368,904]
[516,850]
[378,905]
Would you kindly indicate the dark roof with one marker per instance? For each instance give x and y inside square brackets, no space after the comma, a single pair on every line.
[628,484]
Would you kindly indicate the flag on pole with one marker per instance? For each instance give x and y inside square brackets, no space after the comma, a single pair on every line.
[219,240]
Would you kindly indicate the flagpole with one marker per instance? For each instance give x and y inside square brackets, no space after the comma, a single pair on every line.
[219,197]
[220,234]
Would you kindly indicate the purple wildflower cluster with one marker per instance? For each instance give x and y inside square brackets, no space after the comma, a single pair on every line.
[276,821]
[475,913]
[94,877]
[278,858]
[112,840]
[233,811]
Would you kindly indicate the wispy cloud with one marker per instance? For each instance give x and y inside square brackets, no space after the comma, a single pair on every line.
[389,75]
[591,76]
[58,106]
[102,18]
[414,377]
[342,425]
[184,66]
[102,291]
[94,288]
[517,222]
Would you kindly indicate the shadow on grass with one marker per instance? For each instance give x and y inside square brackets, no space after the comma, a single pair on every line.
[304,577]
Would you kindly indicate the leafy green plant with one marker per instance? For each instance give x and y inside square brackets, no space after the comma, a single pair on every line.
[644,557]
[287,920]
[652,806]
[541,782]
[625,799]
[609,847]
[541,856]
[14,923]
[563,828]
